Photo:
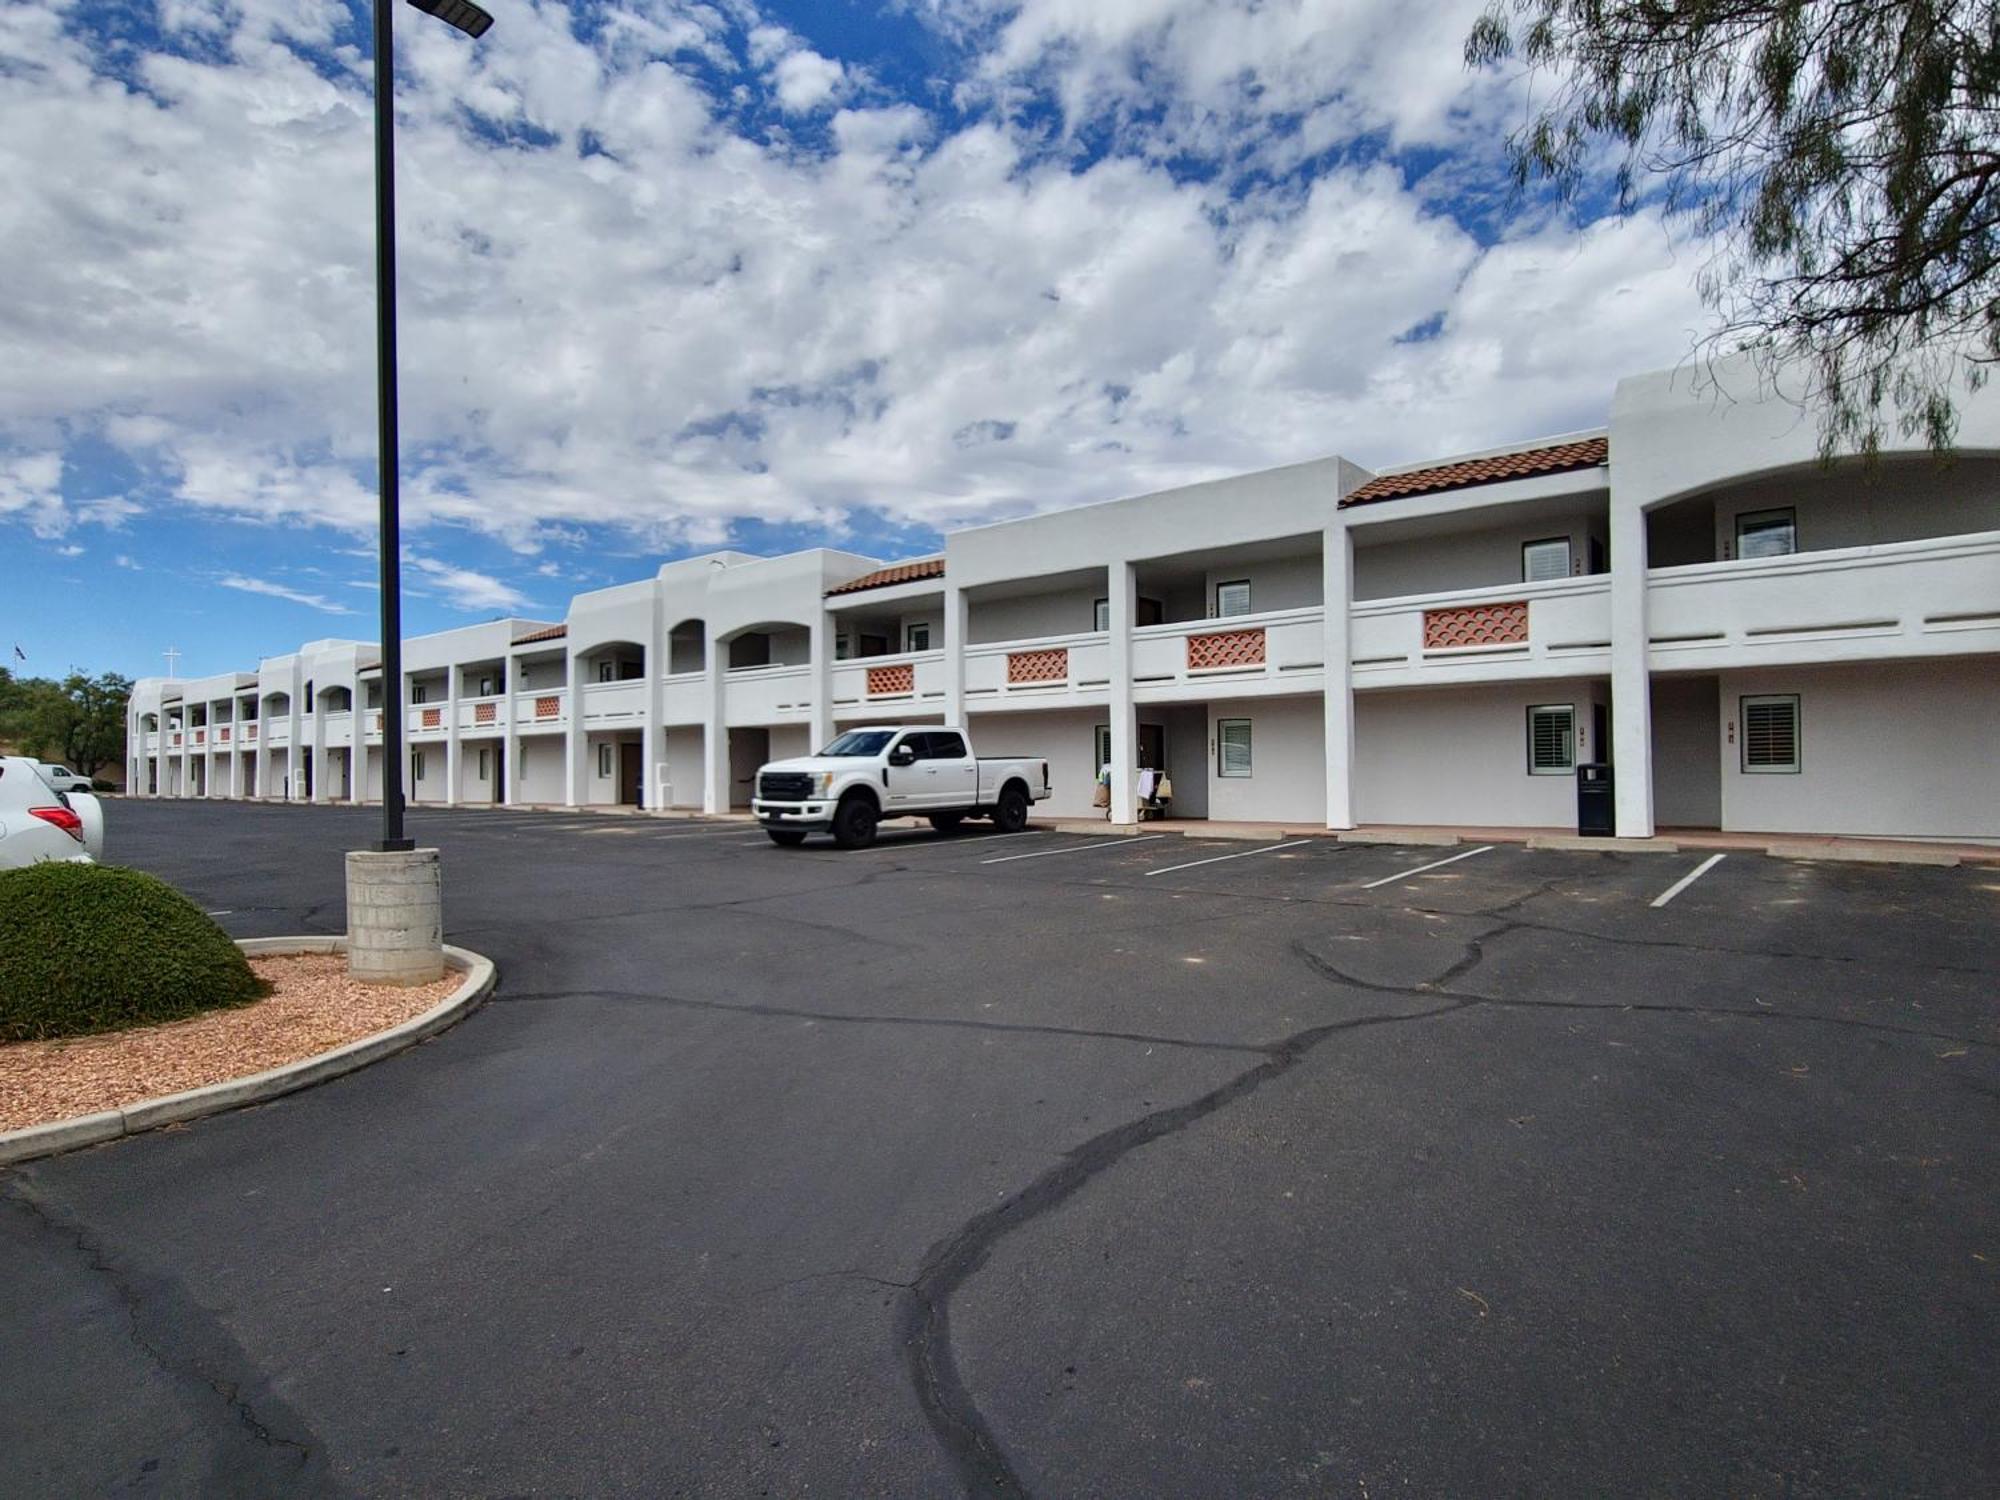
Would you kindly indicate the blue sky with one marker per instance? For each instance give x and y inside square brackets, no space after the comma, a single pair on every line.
[679,274]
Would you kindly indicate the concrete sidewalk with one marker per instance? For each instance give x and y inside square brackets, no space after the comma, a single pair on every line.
[1666,841]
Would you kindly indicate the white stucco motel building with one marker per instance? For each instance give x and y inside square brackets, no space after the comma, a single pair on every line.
[1755,641]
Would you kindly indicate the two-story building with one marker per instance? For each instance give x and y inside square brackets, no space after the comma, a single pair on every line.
[1753,639]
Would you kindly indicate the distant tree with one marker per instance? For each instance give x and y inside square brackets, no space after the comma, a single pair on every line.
[79,721]
[1845,152]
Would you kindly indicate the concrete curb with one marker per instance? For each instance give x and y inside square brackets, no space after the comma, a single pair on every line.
[1867,854]
[89,1130]
[1415,838]
[1603,845]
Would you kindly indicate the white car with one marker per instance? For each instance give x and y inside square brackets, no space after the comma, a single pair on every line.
[63,779]
[37,822]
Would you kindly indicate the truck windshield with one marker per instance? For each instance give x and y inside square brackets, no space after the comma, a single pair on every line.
[860,742]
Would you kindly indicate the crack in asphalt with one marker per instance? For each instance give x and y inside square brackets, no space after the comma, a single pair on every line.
[923,1319]
[948,1023]
[1476,954]
[923,1316]
[306,1458]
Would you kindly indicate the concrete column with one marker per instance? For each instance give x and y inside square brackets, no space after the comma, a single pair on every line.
[821,632]
[358,720]
[1631,678]
[715,730]
[294,748]
[454,757]
[576,738]
[508,792]
[955,619]
[653,749]
[1337,573]
[319,777]
[1122,586]
[395,925]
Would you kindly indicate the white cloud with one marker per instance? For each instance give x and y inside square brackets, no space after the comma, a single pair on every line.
[71,550]
[245,585]
[804,80]
[465,589]
[690,327]
[31,491]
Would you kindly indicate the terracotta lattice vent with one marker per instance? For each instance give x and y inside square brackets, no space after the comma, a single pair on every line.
[1038,666]
[887,682]
[1476,625]
[1226,648]
[547,708]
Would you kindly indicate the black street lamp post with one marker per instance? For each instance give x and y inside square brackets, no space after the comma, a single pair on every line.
[474,22]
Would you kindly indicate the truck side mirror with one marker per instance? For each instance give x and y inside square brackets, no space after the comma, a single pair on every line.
[904,754]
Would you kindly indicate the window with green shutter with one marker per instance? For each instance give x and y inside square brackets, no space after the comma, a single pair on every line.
[1232,747]
[1771,734]
[1552,739]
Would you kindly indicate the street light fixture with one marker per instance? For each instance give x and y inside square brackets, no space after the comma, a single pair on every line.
[474,22]
[466,16]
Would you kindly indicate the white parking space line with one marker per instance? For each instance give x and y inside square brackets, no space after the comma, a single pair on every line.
[1688,879]
[964,843]
[1240,854]
[657,831]
[1113,842]
[1433,865]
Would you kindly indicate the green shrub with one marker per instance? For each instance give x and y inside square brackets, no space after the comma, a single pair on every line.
[96,948]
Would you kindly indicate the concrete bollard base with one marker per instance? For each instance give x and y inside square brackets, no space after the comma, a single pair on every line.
[395,921]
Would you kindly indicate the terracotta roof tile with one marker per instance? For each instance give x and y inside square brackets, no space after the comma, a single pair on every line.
[881,578]
[1556,458]
[546,633]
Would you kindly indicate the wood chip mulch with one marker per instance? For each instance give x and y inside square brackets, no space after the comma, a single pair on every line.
[313,1008]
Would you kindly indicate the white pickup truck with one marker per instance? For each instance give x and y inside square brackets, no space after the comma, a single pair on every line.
[889,771]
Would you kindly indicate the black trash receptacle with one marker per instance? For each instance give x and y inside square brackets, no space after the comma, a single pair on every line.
[1595,813]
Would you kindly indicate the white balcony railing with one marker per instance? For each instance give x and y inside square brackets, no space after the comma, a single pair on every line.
[762,695]
[1478,635]
[907,677]
[1936,597]
[426,721]
[615,703]
[1286,645]
[684,698]
[541,708]
[1054,666]
[481,716]
[337,727]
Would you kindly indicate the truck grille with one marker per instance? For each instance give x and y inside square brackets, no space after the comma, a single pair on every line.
[784,786]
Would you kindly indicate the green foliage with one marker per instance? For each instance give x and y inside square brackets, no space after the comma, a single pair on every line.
[96,948]
[79,721]
[1845,155]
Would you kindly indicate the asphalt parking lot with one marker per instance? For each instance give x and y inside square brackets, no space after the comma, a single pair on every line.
[1056,1165]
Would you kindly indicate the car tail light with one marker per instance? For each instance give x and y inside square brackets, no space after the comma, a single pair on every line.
[63,818]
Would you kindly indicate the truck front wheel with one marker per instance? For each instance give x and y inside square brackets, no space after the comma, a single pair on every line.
[1011,816]
[854,823]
